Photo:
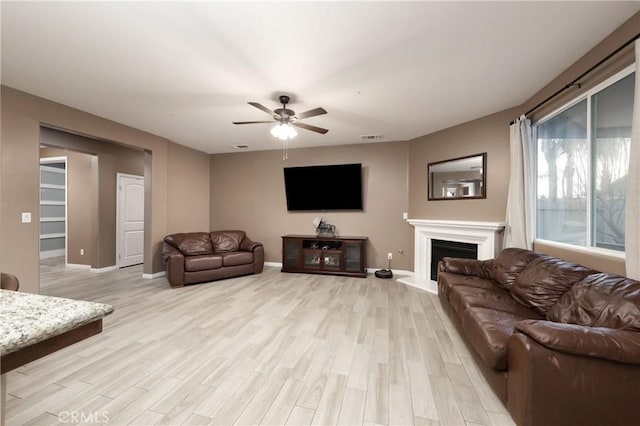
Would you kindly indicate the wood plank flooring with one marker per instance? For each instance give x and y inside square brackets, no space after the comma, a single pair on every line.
[268,349]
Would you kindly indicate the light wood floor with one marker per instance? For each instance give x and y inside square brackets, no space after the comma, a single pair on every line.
[272,349]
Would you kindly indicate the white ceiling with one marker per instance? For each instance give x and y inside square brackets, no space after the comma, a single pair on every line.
[186,70]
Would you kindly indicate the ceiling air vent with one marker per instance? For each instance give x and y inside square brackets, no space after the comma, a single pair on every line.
[371,137]
[240,146]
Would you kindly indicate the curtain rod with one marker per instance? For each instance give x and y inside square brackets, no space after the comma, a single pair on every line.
[575,82]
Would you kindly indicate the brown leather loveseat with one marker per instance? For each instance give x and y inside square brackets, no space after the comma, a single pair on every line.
[559,343]
[197,257]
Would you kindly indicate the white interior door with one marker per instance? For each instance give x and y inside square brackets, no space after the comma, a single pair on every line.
[130,220]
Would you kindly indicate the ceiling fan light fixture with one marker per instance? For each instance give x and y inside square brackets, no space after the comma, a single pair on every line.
[284,131]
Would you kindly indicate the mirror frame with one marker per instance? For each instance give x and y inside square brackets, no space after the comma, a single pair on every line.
[430,195]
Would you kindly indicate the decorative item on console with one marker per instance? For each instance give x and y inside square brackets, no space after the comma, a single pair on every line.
[323,229]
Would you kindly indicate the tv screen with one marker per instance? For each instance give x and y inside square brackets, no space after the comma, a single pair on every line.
[334,187]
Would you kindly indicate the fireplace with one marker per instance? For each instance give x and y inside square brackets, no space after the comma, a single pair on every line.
[485,236]
[444,248]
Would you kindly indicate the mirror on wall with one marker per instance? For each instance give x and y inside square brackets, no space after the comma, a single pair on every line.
[458,178]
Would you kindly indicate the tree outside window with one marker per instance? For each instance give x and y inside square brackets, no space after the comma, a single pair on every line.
[582,163]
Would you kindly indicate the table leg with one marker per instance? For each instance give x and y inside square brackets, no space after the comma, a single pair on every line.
[3,398]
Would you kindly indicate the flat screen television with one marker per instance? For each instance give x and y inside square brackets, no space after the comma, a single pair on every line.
[317,188]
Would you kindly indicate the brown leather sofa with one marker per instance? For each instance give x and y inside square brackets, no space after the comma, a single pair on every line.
[559,343]
[197,257]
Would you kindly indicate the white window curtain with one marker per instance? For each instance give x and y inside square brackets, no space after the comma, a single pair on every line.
[632,213]
[519,218]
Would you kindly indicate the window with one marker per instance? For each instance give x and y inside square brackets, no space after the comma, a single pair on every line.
[582,162]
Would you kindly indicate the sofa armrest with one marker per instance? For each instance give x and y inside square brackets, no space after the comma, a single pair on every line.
[168,250]
[174,264]
[596,342]
[249,245]
[471,267]
[550,387]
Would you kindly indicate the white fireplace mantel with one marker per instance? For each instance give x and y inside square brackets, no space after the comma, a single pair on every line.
[486,235]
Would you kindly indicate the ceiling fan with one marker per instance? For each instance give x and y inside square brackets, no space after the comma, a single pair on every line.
[285,118]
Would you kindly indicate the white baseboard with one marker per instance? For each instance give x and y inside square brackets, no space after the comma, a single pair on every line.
[395,271]
[103,270]
[154,275]
[275,264]
[112,268]
[78,266]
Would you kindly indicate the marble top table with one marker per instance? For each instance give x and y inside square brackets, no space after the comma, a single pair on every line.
[33,325]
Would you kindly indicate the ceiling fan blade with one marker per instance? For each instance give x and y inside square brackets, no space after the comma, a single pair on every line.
[311,113]
[310,127]
[262,107]
[251,122]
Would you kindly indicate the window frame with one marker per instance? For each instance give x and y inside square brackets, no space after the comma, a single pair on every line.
[587,95]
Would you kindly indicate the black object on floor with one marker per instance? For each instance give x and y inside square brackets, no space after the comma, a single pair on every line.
[384,273]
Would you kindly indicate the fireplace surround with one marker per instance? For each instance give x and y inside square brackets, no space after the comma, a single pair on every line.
[487,236]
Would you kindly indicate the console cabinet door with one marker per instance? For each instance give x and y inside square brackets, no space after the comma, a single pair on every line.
[292,249]
[331,260]
[353,257]
[312,259]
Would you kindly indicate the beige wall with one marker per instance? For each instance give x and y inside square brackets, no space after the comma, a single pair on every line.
[247,192]
[188,184]
[22,116]
[487,134]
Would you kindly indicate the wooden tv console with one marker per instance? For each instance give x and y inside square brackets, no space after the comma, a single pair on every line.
[325,255]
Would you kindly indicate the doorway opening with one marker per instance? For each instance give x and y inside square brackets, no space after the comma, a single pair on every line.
[53,210]
[93,166]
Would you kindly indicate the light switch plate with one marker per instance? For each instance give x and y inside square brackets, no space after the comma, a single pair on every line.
[26,217]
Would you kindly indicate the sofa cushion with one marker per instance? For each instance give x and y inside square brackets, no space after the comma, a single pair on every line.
[224,241]
[191,243]
[600,300]
[202,262]
[237,258]
[505,268]
[448,280]
[463,298]
[597,342]
[489,331]
[541,284]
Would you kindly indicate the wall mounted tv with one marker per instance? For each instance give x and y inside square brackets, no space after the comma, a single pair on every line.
[317,188]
